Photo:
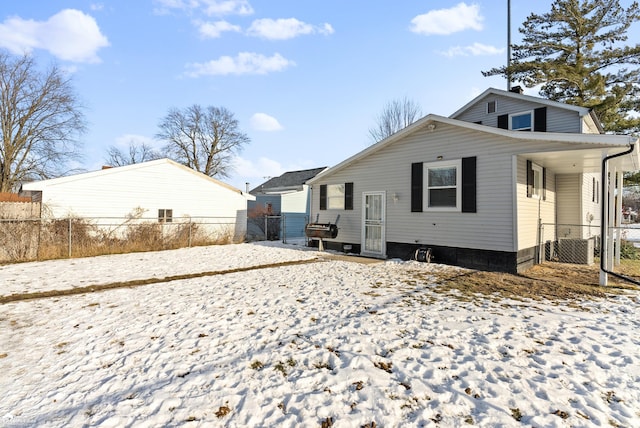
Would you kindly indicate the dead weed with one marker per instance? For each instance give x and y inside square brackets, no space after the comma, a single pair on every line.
[549,281]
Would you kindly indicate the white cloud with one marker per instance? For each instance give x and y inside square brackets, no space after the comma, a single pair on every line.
[208,7]
[476,49]
[69,35]
[96,6]
[264,122]
[243,63]
[282,29]
[213,30]
[227,7]
[446,21]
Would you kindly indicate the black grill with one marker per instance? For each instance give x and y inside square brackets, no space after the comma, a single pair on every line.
[321,230]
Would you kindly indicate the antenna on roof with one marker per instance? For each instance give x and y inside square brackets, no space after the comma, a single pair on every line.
[508,44]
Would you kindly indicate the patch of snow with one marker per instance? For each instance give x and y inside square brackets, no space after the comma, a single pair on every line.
[304,344]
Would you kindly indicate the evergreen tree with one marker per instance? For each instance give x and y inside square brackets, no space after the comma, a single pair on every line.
[577,53]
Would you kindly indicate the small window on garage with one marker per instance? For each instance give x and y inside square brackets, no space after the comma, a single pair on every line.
[165,215]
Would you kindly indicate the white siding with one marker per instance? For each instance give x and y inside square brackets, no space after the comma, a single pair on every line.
[296,202]
[490,228]
[590,213]
[532,211]
[558,120]
[569,199]
[151,186]
[578,205]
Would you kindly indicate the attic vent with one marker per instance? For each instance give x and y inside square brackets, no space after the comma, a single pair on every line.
[517,90]
[491,107]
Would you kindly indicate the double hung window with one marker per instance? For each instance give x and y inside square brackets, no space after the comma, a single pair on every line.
[442,186]
[335,196]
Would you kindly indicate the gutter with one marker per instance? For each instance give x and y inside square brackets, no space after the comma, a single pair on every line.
[603,226]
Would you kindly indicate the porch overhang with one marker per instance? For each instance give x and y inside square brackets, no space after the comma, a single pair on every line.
[586,160]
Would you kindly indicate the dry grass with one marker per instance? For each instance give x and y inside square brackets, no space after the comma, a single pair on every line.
[59,239]
[550,281]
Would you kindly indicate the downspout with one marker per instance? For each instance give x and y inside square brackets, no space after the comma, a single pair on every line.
[603,216]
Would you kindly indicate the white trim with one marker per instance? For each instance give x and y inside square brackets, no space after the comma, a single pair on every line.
[495,107]
[579,140]
[536,191]
[383,227]
[582,111]
[457,163]
[40,185]
[522,113]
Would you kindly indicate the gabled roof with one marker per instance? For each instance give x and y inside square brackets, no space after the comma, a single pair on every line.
[431,122]
[288,181]
[120,169]
[582,111]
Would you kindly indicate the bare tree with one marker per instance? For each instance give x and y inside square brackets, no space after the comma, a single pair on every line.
[204,139]
[41,119]
[136,153]
[396,115]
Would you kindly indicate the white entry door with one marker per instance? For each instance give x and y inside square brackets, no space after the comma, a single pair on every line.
[373,241]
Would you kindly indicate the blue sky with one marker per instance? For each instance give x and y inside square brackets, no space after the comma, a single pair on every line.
[306,79]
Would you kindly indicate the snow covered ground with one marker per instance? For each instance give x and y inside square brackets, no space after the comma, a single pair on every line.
[328,342]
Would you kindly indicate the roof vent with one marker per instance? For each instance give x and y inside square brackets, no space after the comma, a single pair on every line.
[517,90]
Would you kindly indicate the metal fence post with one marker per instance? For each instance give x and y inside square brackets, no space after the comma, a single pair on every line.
[284,228]
[266,222]
[69,237]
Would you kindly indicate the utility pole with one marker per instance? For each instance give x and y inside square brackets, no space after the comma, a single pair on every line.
[508,44]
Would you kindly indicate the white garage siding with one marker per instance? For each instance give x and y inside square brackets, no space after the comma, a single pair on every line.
[150,186]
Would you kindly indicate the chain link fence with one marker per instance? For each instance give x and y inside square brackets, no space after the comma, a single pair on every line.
[580,244]
[289,228]
[40,239]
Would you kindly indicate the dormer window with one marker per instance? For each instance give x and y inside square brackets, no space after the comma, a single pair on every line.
[532,120]
[521,121]
[491,107]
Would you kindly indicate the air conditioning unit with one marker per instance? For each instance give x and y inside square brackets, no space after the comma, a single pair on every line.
[578,251]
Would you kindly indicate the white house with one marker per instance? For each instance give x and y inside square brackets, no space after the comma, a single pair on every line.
[160,190]
[494,186]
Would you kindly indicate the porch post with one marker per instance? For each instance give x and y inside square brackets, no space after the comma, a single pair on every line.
[618,217]
[604,220]
[611,219]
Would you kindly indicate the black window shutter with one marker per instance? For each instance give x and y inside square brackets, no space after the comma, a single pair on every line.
[348,196]
[416,187]
[469,185]
[503,121]
[323,196]
[544,184]
[529,179]
[540,119]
